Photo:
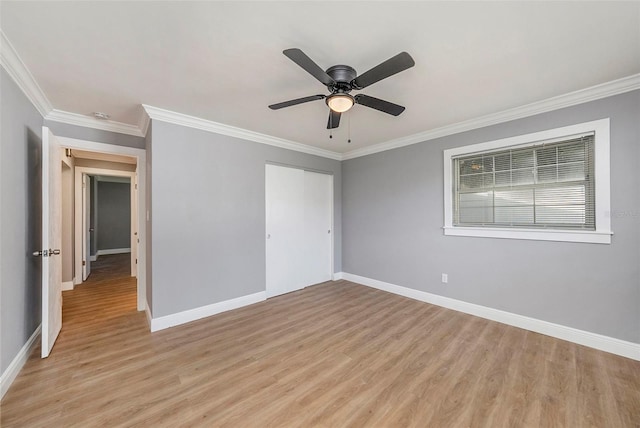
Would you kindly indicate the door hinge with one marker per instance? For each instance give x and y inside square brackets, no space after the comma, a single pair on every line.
[136,261]
[84,262]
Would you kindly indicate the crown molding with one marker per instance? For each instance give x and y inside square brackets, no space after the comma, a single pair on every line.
[16,68]
[615,87]
[91,122]
[143,123]
[162,115]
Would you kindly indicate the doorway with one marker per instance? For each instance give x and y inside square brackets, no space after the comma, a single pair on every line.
[54,167]
[117,188]
[103,156]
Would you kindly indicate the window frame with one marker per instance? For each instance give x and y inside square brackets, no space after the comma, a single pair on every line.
[601,234]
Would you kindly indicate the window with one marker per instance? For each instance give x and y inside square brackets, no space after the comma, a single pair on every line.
[551,185]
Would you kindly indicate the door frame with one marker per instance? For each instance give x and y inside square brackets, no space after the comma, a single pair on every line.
[141,211]
[79,207]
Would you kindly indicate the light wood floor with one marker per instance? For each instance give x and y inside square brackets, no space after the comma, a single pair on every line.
[332,355]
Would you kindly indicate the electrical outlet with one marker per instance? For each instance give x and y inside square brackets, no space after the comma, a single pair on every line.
[445,278]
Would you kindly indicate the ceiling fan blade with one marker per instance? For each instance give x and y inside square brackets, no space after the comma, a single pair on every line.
[295,102]
[378,104]
[394,65]
[334,119]
[300,58]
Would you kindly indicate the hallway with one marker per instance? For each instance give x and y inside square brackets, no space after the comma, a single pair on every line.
[109,292]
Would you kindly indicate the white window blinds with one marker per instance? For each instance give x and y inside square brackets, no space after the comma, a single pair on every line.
[548,185]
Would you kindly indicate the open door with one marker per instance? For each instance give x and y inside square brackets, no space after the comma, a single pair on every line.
[86,227]
[51,241]
[134,224]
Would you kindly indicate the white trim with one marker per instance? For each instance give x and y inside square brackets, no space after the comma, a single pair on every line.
[93,258]
[113,251]
[140,155]
[337,276]
[184,317]
[167,116]
[113,179]
[147,311]
[602,234]
[16,68]
[68,285]
[586,236]
[91,122]
[10,374]
[581,337]
[143,123]
[608,89]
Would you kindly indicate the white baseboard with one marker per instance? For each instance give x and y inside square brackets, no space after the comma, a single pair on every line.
[68,285]
[112,251]
[337,276]
[93,258]
[581,337]
[172,320]
[16,365]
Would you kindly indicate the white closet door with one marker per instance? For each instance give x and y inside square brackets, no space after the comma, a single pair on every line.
[318,204]
[285,230]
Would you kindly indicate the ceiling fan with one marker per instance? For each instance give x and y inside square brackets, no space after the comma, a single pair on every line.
[342,79]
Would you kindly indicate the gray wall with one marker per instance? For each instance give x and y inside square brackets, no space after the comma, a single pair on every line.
[208,211]
[20,219]
[114,215]
[393,217]
[95,135]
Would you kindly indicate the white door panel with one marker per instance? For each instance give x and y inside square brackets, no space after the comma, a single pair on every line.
[285,229]
[318,201]
[51,241]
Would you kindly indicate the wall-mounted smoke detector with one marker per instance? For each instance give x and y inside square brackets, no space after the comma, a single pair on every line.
[100,115]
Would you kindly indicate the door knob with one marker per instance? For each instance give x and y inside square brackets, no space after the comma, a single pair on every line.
[46,253]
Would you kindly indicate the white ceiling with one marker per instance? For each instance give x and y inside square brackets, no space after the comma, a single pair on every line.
[223,61]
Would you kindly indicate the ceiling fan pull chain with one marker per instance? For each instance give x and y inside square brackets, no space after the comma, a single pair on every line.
[349,128]
[330,126]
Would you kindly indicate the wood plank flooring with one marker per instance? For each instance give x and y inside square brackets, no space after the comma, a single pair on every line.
[336,354]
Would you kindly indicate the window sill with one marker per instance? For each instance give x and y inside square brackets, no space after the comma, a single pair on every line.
[591,237]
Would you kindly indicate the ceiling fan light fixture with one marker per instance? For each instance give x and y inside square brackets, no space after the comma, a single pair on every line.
[340,102]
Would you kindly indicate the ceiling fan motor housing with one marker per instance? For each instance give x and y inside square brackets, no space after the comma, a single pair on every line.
[343,75]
